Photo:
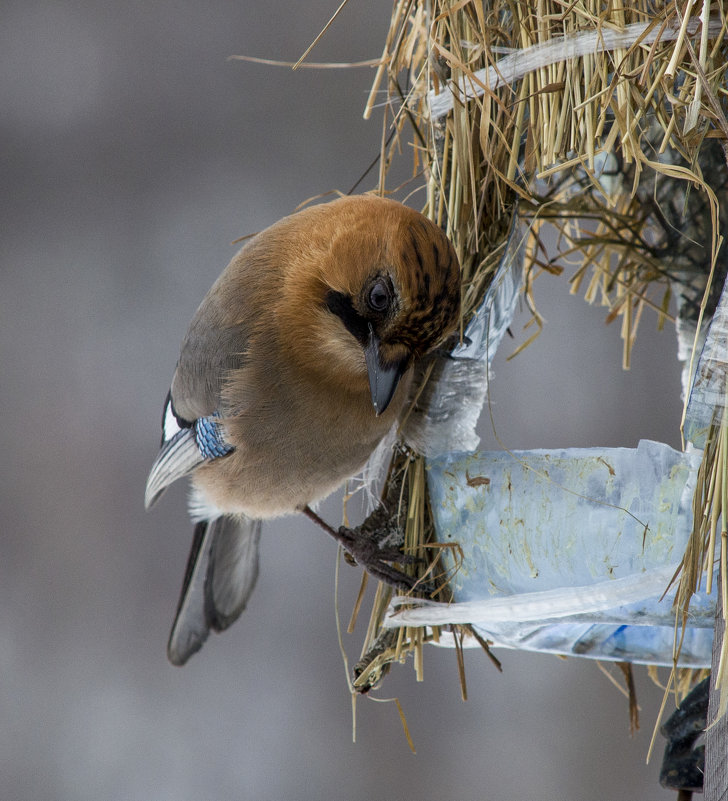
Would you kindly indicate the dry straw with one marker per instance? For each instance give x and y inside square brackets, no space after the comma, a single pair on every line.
[590,117]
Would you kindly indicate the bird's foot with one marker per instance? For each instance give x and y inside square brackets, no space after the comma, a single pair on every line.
[367,553]
[372,554]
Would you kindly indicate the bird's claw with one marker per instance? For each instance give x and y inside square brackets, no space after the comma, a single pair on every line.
[365,552]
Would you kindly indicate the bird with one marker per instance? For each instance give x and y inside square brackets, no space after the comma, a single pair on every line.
[296,365]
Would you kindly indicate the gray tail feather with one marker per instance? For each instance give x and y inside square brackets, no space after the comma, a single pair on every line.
[221,573]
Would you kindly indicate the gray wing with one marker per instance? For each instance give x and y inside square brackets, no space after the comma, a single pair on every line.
[210,350]
[221,573]
[184,447]
[213,346]
[177,458]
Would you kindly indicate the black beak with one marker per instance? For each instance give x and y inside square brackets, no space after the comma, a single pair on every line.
[383,379]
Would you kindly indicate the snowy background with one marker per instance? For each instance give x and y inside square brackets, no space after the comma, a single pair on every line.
[133,153]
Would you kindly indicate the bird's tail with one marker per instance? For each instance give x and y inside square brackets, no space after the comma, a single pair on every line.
[221,572]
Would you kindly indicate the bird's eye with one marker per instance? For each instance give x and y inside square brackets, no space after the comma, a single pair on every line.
[378,296]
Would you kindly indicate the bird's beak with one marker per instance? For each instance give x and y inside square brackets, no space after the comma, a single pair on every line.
[383,378]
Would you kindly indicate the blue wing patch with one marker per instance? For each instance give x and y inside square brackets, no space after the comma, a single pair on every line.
[210,439]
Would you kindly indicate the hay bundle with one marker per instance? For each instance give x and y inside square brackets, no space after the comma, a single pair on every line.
[604,121]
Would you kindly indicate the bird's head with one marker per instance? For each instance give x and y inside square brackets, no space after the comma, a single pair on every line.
[382,285]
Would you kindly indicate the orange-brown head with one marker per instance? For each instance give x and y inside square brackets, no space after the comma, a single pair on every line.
[372,287]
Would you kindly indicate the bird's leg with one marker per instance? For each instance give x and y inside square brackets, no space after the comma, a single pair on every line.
[366,550]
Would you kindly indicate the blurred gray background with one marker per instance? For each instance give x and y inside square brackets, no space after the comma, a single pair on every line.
[133,153]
